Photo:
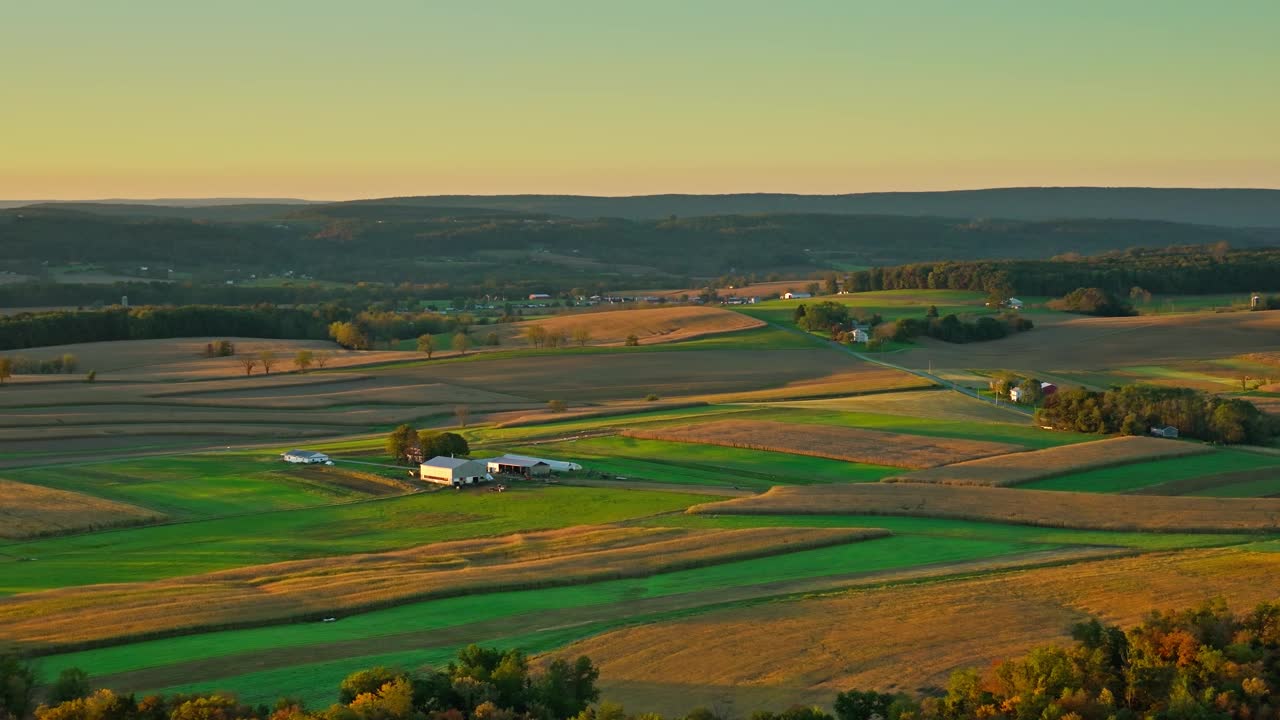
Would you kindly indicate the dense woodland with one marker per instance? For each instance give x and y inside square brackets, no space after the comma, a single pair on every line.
[1200,664]
[1135,409]
[1179,270]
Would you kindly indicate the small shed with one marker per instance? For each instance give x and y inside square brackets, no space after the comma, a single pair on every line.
[1013,304]
[796,295]
[516,465]
[452,471]
[305,457]
[1166,431]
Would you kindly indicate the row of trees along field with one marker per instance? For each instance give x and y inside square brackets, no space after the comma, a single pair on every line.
[1201,664]
[1134,409]
[359,329]
[836,318]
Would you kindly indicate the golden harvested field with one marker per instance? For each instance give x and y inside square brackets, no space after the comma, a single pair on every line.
[315,588]
[649,325]
[625,376]
[1016,468]
[866,379]
[1086,343]
[840,443]
[30,511]
[939,405]
[1044,508]
[906,638]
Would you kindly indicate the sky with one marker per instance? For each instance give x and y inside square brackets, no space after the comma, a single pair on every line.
[332,100]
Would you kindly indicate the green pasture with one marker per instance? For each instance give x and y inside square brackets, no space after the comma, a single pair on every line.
[161,551]
[316,684]
[187,487]
[698,464]
[1124,478]
[1261,487]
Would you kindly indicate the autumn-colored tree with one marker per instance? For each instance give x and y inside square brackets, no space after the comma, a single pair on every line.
[249,363]
[267,358]
[302,360]
[463,414]
[536,335]
[462,343]
[582,335]
[6,369]
[426,344]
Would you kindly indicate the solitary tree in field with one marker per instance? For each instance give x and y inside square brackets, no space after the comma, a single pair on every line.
[69,363]
[582,335]
[462,342]
[632,341]
[463,413]
[303,360]
[249,363]
[426,344]
[322,358]
[6,369]
[267,358]
[536,335]
[557,406]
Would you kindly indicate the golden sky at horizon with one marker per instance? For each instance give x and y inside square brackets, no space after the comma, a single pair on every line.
[327,100]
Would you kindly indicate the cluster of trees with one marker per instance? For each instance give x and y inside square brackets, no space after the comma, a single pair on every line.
[540,336]
[954,329]
[481,684]
[1192,665]
[1003,383]
[1096,301]
[404,442]
[1135,409]
[23,365]
[28,330]
[835,318]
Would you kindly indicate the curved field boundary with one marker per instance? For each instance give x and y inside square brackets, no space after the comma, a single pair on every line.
[32,511]
[254,596]
[1043,508]
[640,610]
[1024,467]
[875,447]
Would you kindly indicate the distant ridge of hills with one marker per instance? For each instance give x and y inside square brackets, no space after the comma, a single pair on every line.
[1220,207]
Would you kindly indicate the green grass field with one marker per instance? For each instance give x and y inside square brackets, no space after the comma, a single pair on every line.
[162,551]
[1125,478]
[691,463]
[191,486]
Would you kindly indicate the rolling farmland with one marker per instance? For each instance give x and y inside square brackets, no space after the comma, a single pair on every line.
[1019,468]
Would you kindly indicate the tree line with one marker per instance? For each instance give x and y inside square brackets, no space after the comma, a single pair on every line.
[1179,270]
[1135,409]
[837,319]
[1205,663]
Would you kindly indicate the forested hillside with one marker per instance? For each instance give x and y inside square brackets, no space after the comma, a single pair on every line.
[391,242]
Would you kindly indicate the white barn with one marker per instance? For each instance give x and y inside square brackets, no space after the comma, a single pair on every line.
[452,471]
[796,295]
[305,457]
